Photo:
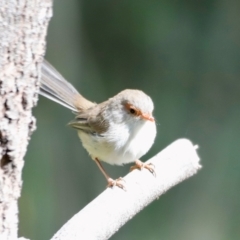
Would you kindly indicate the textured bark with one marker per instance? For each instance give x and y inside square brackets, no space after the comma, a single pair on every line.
[23,26]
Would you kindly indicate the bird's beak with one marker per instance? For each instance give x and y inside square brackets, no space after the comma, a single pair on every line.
[148,117]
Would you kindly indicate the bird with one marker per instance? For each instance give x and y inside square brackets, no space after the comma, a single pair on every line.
[117,131]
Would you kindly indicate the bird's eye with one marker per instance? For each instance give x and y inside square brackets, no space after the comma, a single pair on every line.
[132,111]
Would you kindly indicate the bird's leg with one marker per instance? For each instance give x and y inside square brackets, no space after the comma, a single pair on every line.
[140,165]
[111,182]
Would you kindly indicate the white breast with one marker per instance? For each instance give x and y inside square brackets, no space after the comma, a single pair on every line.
[122,144]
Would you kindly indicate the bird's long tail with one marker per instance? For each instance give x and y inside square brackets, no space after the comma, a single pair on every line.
[55,87]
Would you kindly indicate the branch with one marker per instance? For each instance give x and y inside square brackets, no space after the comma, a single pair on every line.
[101,218]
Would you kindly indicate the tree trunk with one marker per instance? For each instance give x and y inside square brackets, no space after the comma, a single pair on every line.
[23,26]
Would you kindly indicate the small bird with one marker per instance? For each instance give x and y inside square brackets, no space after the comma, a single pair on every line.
[118,131]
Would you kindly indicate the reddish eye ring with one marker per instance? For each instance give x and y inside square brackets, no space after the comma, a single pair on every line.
[132,110]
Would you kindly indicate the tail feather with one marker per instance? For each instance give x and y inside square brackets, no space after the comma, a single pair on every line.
[56,88]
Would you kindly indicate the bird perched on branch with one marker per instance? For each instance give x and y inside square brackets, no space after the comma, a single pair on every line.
[118,131]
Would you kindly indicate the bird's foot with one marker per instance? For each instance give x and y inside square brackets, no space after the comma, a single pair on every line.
[120,182]
[141,165]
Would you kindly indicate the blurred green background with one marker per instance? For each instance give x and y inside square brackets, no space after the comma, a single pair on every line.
[186,56]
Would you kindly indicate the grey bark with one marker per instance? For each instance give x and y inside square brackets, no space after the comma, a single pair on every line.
[23,26]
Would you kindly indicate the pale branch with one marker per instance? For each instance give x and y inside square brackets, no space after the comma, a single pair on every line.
[101,218]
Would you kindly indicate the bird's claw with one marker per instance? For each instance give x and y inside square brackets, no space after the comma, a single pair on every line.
[141,165]
[120,182]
